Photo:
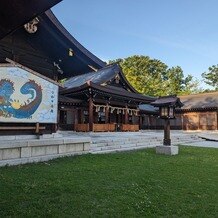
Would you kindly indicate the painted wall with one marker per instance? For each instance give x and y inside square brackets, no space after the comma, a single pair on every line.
[26,98]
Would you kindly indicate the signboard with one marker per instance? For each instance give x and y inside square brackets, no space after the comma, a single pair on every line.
[26,98]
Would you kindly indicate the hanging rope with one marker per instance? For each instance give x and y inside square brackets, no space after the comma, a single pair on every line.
[118,109]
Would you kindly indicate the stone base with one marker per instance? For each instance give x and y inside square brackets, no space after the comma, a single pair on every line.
[168,150]
[16,152]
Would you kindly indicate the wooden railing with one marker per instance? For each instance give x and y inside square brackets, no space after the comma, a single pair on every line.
[109,127]
[82,127]
[129,127]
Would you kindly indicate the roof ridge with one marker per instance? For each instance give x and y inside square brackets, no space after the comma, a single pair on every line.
[199,94]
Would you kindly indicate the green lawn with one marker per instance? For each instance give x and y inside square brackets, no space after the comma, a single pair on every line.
[131,184]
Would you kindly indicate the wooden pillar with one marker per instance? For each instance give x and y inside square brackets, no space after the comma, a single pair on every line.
[76,117]
[167,140]
[140,121]
[126,121]
[182,122]
[90,114]
[107,114]
[80,112]
[198,117]
[133,118]
[217,119]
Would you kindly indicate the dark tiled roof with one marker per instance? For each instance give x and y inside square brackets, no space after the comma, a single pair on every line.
[167,100]
[102,80]
[200,101]
[148,108]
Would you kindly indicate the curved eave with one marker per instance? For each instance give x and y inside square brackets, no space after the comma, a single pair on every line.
[125,94]
[57,41]
[134,96]
[67,36]
[14,14]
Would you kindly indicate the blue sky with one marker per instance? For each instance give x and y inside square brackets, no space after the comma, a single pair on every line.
[177,32]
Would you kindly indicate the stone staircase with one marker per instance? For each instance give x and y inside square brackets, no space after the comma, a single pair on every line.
[115,144]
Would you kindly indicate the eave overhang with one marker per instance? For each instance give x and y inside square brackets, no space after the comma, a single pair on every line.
[14,13]
[104,90]
[172,100]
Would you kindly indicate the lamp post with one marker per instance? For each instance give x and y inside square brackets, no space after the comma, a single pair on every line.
[167,105]
[167,112]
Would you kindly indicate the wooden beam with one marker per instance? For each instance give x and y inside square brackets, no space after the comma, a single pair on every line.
[20,127]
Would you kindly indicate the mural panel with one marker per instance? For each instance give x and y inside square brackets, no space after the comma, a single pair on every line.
[26,98]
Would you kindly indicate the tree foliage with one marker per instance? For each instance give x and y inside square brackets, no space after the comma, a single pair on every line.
[211,77]
[155,78]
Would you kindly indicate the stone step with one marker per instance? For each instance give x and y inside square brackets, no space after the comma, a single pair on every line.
[125,145]
[124,142]
[128,145]
[120,143]
[142,138]
[120,149]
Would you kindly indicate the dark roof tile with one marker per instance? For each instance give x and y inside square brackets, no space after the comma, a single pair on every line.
[202,100]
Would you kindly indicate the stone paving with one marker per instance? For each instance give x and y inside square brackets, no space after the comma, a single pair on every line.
[210,139]
[208,144]
[107,142]
[212,136]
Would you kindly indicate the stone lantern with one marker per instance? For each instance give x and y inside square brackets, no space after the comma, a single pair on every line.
[167,105]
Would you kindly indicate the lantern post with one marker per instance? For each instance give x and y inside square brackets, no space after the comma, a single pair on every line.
[167,105]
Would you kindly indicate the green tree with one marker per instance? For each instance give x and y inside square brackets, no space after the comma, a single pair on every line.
[211,77]
[155,78]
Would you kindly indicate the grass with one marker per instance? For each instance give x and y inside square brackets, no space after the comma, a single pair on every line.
[132,184]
